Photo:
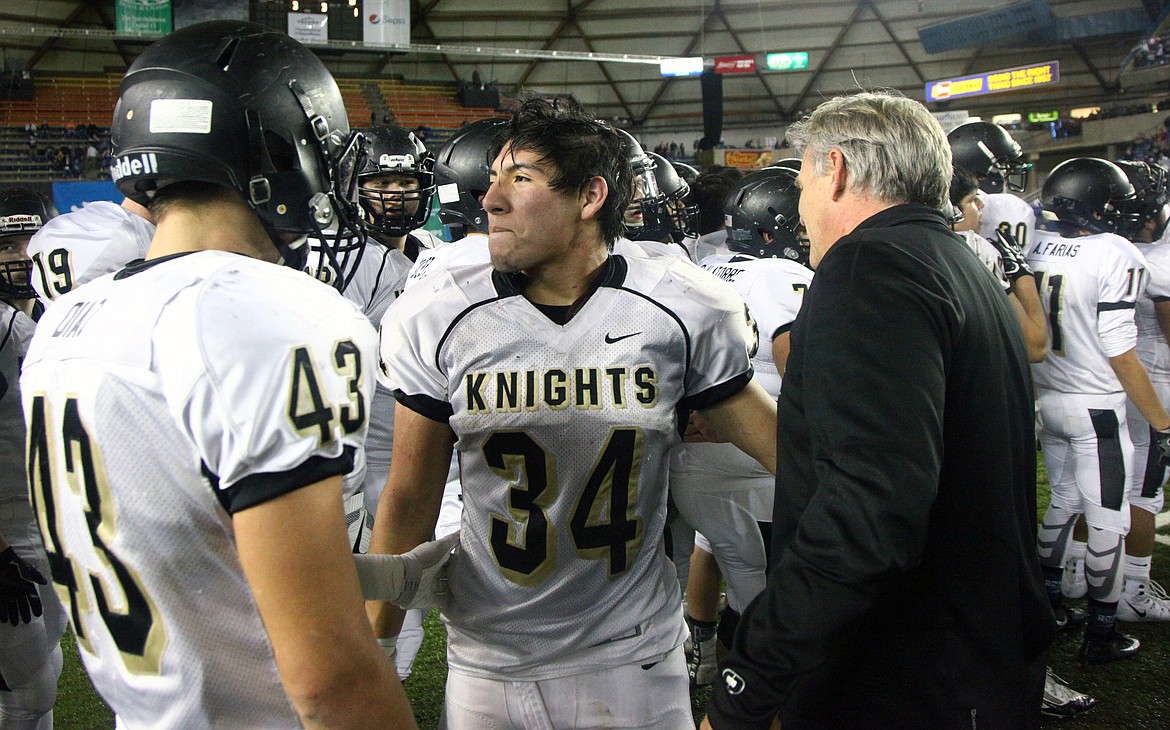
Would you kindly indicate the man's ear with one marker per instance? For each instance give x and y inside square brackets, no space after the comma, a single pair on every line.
[837,173]
[593,197]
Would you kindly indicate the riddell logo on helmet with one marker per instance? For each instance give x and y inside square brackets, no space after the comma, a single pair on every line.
[123,166]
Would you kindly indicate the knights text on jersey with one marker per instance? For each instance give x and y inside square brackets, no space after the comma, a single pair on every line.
[1089,287]
[84,244]
[1152,347]
[16,329]
[563,434]
[190,387]
[1006,212]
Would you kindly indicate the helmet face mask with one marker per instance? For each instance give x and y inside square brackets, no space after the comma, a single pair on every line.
[22,213]
[1151,205]
[245,107]
[646,217]
[397,184]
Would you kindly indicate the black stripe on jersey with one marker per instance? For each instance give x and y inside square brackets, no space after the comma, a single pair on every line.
[1155,474]
[1160,299]
[8,330]
[426,406]
[719,393]
[258,488]
[1113,306]
[781,330]
[1110,463]
[137,266]
[378,279]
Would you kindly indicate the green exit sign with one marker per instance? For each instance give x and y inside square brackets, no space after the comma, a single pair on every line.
[1038,117]
[792,61]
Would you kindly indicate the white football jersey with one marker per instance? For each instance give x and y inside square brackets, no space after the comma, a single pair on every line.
[563,434]
[16,329]
[471,249]
[1151,343]
[1089,287]
[1004,211]
[651,249]
[159,401]
[82,245]
[773,290]
[988,254]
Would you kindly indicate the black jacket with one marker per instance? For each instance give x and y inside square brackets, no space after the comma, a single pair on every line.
[905,591]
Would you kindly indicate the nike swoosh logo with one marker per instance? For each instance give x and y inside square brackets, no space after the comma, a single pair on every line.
[609,339]
[1136,610]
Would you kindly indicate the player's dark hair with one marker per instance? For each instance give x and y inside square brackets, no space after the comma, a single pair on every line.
[712,189]
[563,133]
[963,183]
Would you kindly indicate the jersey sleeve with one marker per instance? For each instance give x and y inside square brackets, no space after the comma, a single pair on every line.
[1158,270]
[81,246]
[1120,282]
[409,338]
[721,336]
[775,299]
[276,388]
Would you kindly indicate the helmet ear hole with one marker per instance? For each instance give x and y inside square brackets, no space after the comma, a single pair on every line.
[280,152]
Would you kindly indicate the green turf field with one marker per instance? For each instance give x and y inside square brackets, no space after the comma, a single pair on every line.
[1134,695]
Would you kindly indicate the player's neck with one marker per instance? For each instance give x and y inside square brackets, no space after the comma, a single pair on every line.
[391,242]
[216,226]
[563,282]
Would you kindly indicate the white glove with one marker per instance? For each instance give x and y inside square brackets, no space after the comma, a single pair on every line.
[412,580]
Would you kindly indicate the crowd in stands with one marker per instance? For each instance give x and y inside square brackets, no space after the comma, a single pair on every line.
[1151,51]
[82,151]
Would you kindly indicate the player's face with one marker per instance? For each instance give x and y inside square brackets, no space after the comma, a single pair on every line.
[391,195]
[530,225]
[14,262]
[971,206]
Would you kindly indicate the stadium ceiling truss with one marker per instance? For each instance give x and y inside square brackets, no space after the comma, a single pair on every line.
[606,52]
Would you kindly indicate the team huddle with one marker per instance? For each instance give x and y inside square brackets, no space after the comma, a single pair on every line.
[244,484]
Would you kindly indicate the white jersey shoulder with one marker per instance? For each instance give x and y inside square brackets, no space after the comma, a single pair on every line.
[648,249]
[1004,211]
[471,249]
[199,385]
[81,245]
[543,413]
[1089,287]
[773,290]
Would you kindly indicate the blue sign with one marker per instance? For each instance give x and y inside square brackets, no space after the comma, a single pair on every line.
[70,196]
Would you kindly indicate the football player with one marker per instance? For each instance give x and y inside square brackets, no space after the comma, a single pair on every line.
[1142,599]
[1090,280]
[989,152]
[556,372]
[721,492]
[461,177]
[31,617]
[81,245]
[1059,700]
[1004,258]
[190,417]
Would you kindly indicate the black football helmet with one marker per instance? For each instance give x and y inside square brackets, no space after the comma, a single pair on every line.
[1152,202]
[766,201]
[645,214]
[241,105]
[1090,194]
[461,175]
[688,173]
[988,151]
[396,151]
[22,213]
[792,163]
